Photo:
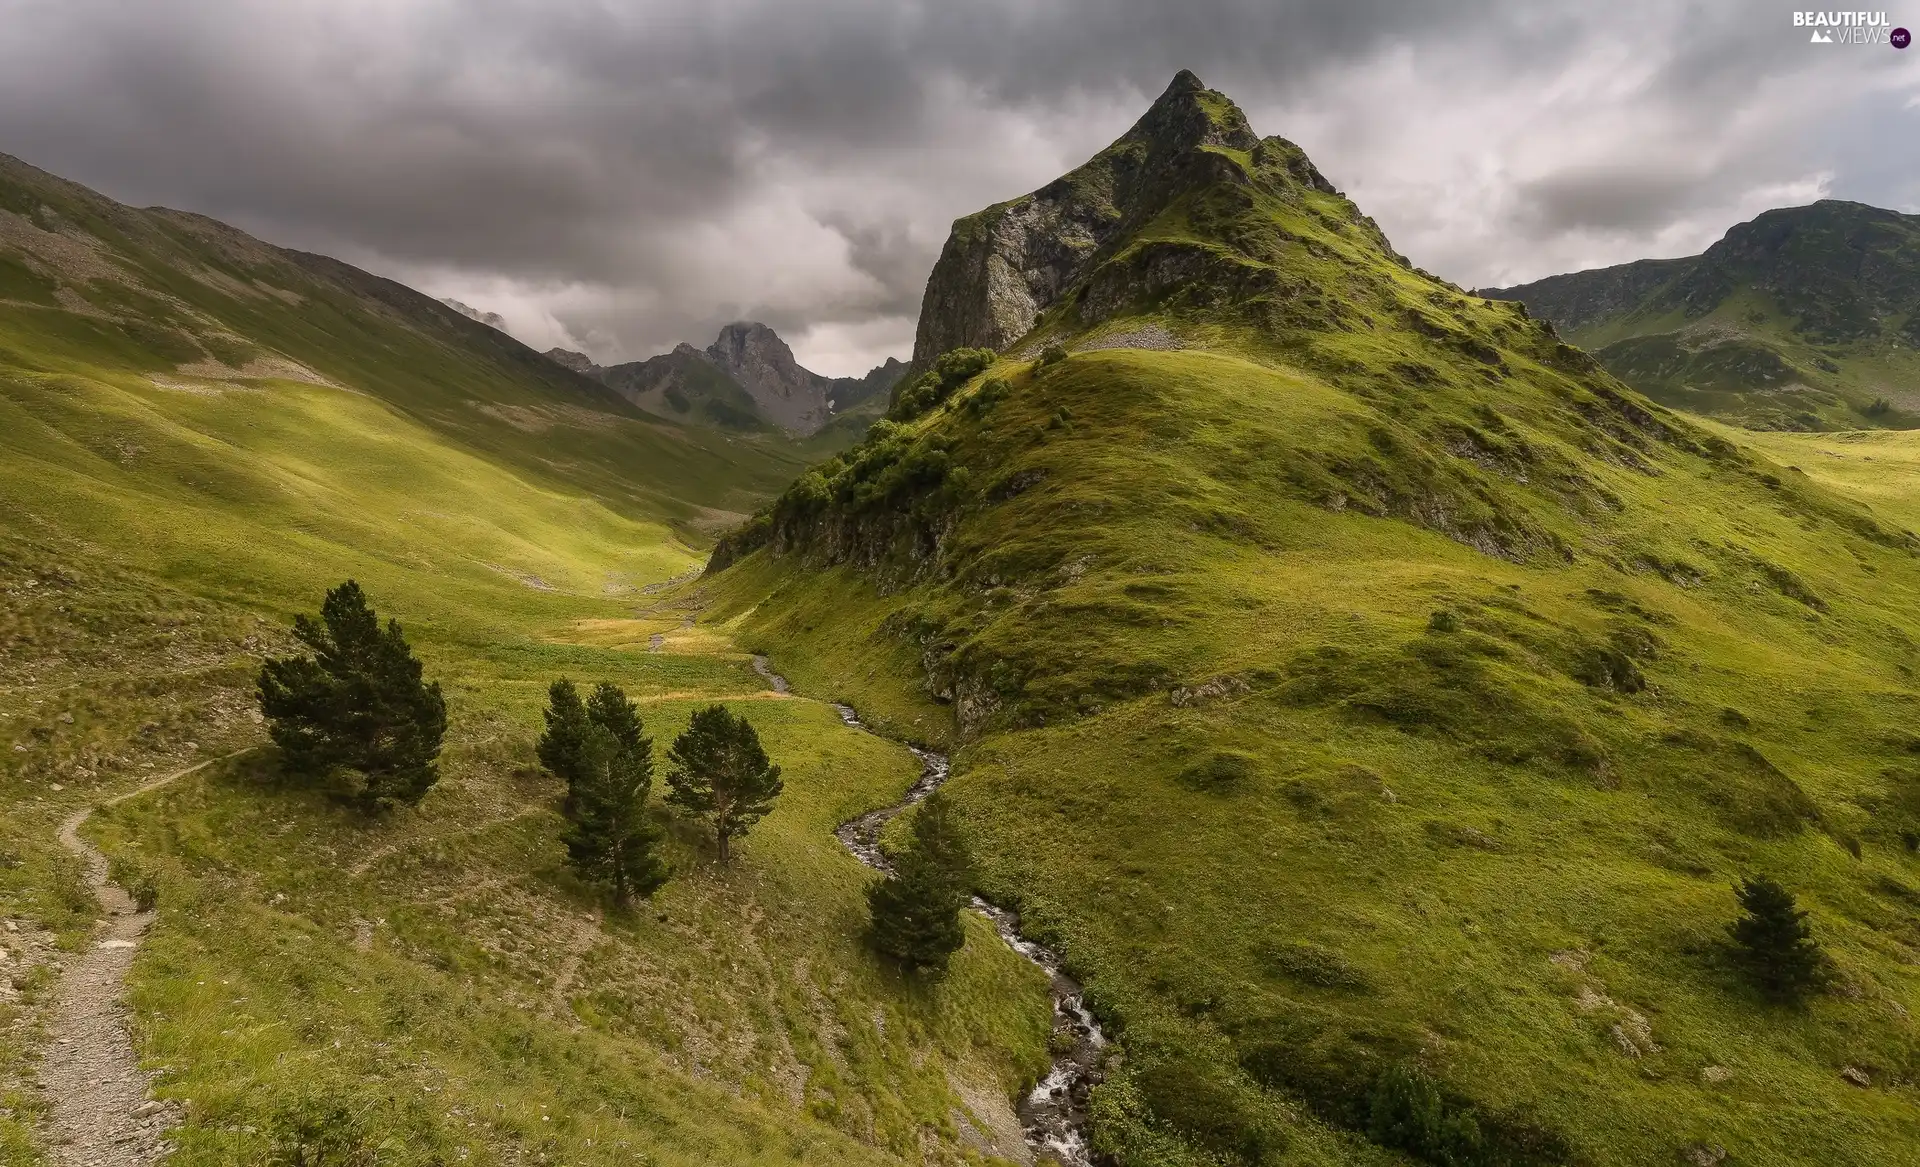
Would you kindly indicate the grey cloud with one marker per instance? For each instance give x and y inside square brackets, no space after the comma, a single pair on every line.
[1611,198]
[642,172]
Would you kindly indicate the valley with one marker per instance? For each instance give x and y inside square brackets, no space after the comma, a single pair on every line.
[431,985]
[1360,703]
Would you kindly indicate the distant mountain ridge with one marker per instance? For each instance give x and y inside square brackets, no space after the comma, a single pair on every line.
[1803,318]
[746,379]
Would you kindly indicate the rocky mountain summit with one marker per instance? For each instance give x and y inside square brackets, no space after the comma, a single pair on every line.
[1077,242]
[746,379]
[757,359]
[1803,318]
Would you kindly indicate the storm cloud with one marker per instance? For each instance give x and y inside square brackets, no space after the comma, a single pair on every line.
[622,176]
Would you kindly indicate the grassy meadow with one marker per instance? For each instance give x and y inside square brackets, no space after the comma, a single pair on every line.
[433,983]
[199,435]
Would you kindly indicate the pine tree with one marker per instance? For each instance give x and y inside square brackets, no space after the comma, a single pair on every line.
[561,748]
[916,908]
[720,774]
[358,703]
[610,709]
[1774,942]
[610,839]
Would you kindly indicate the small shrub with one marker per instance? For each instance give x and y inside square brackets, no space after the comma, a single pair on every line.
[1443,621]
[1311,964]
[1053,354]
[1408,1113]
[1222,770]
[990,394]
[138,883]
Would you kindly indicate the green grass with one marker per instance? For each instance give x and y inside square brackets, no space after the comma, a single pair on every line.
[736,1018]
[1445,811]
[158,527]
[1379,682]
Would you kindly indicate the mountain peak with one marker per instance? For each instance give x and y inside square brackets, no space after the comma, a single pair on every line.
[1185,197]
[756,357]
[750,342]
[1188,115]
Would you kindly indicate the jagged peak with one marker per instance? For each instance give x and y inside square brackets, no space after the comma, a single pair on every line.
[743,337]
[1187,115]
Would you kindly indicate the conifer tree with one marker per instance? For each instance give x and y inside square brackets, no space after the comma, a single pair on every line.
[610,709]
[561,748]
[1773,941]
[358,703]
[609,839]
[721,775]
[916,908]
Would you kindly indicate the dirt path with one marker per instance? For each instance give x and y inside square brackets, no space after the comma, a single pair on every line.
[102,1116]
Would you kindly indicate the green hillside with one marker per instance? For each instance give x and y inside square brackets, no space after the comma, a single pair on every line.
[1806,318]
[1372,697]
[200,433]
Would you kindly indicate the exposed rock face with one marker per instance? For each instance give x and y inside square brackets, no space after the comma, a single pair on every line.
[578,362]
[490,319]
[760,362]
[1003,267]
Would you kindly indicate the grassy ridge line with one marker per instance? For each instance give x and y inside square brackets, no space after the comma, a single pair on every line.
[1798,320]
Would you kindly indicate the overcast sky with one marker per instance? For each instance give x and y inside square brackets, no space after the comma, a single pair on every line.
[622,175]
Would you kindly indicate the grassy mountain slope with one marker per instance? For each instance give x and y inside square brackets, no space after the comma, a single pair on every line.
[1805,318]
[1354,680]
[200,433]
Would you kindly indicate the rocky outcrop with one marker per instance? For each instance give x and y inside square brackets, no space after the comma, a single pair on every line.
[490,319]
[580,363]
[1005,266]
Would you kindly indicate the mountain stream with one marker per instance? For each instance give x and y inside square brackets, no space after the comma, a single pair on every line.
[1054,1113]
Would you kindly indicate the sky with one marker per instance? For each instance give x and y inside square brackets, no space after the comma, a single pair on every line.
[618,176]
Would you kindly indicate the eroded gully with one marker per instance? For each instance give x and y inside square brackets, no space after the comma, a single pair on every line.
[1054,1113]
